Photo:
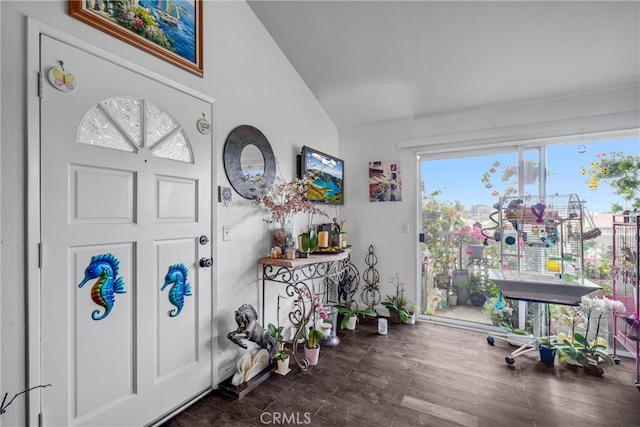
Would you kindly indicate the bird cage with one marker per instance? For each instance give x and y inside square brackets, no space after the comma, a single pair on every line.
[541,248]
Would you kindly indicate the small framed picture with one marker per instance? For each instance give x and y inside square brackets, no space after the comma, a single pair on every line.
[385,182]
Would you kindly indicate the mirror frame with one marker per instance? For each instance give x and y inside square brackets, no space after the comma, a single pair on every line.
[238,139]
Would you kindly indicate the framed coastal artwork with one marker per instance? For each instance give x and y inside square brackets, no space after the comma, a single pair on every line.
[169,29]
[385,181]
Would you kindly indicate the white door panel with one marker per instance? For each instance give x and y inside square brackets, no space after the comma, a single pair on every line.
[123,221]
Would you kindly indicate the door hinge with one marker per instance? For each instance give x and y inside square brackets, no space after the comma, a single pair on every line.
[40,255]
[40,81]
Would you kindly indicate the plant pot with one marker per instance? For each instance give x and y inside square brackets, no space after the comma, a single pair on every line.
[325,328]
[412,319]
[547,354]
[351,323]
[460,278]
[283,366]
[394,317]
[312,354]
[452,299]
[477,251]
[477,300]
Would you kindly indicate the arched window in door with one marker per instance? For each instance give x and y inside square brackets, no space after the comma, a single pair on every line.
[129,124]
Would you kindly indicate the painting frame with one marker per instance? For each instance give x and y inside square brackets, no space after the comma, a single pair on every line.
[385,180]
[100,19]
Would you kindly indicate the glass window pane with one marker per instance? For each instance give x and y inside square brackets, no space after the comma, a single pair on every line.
[174,148]
[159,124]
[97,129]
[126,112]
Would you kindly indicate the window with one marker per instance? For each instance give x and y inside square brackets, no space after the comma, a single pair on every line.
[453,203]
[129,124]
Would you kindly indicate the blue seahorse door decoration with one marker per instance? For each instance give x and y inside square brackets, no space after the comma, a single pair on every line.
[105,268]
[177,275]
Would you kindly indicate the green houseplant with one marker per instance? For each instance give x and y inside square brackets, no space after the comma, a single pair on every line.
[282,358]
[275,331]
[577,346]
[351,315]
[478,289]
[311,346]
[397,304]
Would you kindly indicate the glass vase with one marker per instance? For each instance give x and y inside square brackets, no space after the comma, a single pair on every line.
[283,233]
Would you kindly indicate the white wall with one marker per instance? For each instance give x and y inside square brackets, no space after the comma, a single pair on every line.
[380,223]
[252,83]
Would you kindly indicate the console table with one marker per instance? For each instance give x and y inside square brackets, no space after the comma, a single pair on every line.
[296,275]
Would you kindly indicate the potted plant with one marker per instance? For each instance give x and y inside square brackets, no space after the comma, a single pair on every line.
[351,316]
[478,288]
[397,304]
[578,347]
[311,346]
[338,235]
[282,358]
[413,314]
[546,347]
[276,333]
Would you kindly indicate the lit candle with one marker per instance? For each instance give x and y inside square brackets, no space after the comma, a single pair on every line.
[323,239]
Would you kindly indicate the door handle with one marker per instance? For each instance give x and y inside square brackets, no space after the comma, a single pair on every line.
[206,262]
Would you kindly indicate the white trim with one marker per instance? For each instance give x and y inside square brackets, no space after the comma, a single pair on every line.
[472,147]
[33,220]
[538,132]
[417,222]
[34,30]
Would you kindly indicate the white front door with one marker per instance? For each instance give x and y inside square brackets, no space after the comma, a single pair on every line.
[125,197]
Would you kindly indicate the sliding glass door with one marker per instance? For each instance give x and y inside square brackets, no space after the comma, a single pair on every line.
[461,191]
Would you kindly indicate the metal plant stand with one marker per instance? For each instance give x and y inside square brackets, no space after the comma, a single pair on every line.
[371,292]
[298,275]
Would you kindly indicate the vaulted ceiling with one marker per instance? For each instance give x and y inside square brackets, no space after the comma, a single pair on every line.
[377,61]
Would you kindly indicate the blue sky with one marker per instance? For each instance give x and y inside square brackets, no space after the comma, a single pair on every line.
[462,179]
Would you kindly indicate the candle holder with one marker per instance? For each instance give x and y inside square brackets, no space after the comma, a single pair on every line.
[332,317]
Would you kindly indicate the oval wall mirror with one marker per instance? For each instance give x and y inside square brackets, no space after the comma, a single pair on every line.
[249,162]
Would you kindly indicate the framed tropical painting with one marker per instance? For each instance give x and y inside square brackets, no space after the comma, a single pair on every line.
[169,29]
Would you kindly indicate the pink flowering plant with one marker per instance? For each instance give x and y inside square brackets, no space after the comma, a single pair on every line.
[306,295]
[466,235]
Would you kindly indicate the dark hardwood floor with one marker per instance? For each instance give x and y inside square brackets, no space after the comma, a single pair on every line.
[427,374]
